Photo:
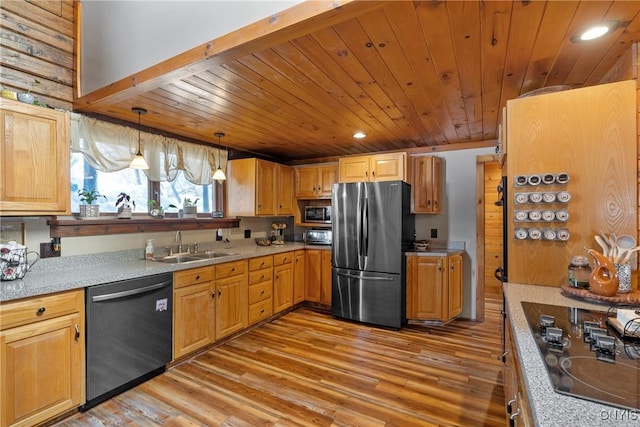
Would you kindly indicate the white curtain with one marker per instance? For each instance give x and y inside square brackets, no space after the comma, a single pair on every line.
[109,148]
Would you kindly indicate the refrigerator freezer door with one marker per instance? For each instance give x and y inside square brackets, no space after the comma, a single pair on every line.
[368,297]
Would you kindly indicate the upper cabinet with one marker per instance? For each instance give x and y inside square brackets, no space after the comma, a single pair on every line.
[315,182]
[258,187]
[424,177]
[378,167]
[34,160]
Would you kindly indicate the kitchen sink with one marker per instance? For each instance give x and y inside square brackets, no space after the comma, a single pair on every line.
[182,258]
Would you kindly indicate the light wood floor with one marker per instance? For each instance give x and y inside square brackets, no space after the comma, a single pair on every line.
[307,368]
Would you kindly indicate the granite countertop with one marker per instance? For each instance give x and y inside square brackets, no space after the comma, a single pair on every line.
[548,407]
[52,275]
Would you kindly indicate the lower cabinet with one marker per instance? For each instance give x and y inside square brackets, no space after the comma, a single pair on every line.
[231,297]
[434,287]
[299,276]
[283,281]
[42,363]
[194,310]
[318,276]
[515,395]
[260,288]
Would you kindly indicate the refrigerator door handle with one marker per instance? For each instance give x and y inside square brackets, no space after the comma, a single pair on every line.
[365,231]
[355,276]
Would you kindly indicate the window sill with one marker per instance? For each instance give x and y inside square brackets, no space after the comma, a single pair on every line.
[97,227]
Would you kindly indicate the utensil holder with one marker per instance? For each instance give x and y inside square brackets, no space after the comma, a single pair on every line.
[624,277]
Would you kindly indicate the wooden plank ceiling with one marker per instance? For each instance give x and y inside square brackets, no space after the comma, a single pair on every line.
[407,73]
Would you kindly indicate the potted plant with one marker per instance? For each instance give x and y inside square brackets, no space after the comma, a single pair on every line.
[27,97]
[189,208]
[89,210]
[124,203]
[157,211]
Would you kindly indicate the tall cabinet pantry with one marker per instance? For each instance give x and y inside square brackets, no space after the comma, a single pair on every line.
[586,140]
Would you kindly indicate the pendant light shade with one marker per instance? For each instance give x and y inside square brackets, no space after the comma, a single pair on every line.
[138,161]
[219,173]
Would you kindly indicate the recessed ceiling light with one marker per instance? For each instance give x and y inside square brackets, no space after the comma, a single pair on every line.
[595,31]
[359,135]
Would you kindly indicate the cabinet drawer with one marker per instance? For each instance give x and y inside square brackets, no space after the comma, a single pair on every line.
[260,311]
[260,262]
[283,258]
[260,276]
[229,269]
[22,312]
[260,292]
[192,276]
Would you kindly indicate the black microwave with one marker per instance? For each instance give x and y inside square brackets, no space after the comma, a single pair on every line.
[321,214]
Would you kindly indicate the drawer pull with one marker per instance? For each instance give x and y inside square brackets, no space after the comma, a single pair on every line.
[262,292]
[41,311]
[233,269]
[197,277]
[262,277]
[262,311]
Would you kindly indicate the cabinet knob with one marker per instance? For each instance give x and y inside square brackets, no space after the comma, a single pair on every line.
[452,267]
[77,337]
[41,311]
[262,311]
[262,292]
[262,277]
[233,269]
[219,292]
[197,277]
[213,294]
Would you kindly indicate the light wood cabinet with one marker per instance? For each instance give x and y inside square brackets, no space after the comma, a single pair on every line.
[318,276]
[299,276]
[515,396]
[283,275]
[194,309]
[425,180]
[260,288]
[42,358]
[34,160]
[257,187]
[315,182]
[434,287]
[377,167]
[231,297]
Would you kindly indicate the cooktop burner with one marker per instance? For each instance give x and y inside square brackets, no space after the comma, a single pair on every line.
[584,356]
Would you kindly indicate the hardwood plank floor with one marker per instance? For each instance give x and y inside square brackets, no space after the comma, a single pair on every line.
[307,368]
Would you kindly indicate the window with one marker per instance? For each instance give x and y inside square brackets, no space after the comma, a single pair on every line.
[135,183]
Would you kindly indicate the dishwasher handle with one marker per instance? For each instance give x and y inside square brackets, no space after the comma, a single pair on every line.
[137,291]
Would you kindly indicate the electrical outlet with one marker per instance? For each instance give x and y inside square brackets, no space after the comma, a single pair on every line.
[247,234]
[434,233]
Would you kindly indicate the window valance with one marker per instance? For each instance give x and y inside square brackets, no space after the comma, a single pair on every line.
[110,147]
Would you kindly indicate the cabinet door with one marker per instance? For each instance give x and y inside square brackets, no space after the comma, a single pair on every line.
[42,369]
[326,177]
[306,182]
[427,283]
[298,277]
[231,305]
[313,273]
[34,160]
[388,167]
[354,169]
[455,285]
[193,318]
[266,203]
[284,190]
[325,295]
[425,184]
[282,287]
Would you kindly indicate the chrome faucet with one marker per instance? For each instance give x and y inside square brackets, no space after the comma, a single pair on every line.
[179,241]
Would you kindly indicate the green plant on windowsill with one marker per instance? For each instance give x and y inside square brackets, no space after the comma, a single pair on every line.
[189,207]
[124,203]
[89,196]
[157,211]
[27,97]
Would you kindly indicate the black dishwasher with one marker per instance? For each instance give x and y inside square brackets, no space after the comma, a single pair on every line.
[129,334]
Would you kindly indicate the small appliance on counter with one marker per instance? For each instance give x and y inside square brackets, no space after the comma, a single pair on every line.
[318,236]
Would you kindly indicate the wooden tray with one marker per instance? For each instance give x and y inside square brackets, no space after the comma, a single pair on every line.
[632,297]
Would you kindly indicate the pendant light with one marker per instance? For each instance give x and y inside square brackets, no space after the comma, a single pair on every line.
[138,161]
[219,173]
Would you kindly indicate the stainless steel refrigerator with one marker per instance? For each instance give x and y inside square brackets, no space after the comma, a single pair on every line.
[372,229]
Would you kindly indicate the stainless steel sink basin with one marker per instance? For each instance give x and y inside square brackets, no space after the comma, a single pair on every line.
[182,258]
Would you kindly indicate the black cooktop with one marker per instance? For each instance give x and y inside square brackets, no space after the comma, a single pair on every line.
[584,356]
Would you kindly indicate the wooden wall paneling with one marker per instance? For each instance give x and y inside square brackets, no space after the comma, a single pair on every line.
[590,134]
[492,230]
[39,43]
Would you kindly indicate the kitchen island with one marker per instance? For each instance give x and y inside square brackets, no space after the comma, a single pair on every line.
[547,407]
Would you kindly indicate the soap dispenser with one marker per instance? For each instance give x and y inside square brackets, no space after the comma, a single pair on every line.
[148,251]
